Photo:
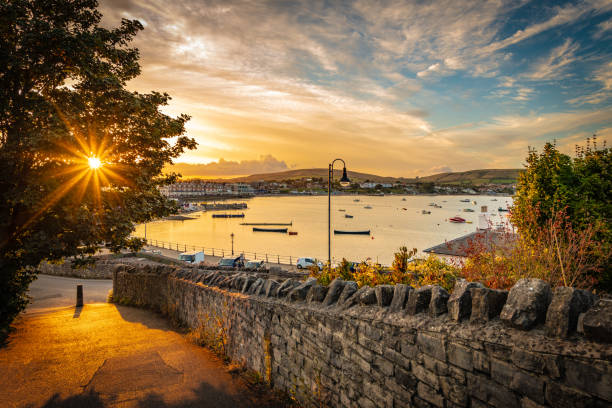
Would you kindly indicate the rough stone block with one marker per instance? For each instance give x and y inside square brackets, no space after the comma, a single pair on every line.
[439,298]
[316,293]
[456,393]
[400,296]
[528,385]
[384,295]
[430,395]
[560,396]
[418,300]
[299,292]
[255,286]
[565,307]
[460,301]
[286,287]
[333,293]
[487,303]
[491,392]
[366,296]
[431,345]
[528,360]
[597,322]
[527,303]
[349,289]
[460,356]
[271,288]
[590,378]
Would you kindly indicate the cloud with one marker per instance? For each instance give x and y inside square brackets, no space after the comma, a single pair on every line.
[355,78]
[552,67]
[223,168]
[440,169]
[603,75]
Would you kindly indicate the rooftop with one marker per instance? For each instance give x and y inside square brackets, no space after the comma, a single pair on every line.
[461,246]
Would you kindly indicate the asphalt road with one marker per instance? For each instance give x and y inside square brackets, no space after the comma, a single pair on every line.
[54,291]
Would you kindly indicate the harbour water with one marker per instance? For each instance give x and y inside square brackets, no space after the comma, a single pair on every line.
[394,221]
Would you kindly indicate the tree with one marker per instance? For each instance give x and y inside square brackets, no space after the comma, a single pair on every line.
[580,189]
[81,157]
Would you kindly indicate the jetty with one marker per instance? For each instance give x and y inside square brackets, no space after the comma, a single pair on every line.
[267,223]
[283,230]
[228,215]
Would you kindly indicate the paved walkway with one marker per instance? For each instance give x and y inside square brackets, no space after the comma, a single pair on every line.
[105,355]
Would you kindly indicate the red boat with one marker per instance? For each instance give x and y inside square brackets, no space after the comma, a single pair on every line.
[457,219]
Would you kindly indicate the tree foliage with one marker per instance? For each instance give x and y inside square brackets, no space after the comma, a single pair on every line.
[580,189]
[63,99]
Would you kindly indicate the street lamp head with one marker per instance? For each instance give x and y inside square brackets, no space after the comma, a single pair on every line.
[344,181]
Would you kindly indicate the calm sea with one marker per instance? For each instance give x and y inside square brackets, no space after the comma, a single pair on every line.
[394,221]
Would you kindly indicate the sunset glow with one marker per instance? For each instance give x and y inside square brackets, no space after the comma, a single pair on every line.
[94,163]
[401,88]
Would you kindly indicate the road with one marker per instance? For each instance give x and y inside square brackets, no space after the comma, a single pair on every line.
[54,291]
[211,260]
[106,355]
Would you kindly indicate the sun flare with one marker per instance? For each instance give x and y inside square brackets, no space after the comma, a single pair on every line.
[94,163]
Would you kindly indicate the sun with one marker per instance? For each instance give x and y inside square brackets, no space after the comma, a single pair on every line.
[94,163]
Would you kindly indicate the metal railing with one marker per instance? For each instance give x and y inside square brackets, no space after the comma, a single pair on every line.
[222,252]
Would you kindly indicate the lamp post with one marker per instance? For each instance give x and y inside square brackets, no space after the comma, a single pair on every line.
[344,182]
[232,235]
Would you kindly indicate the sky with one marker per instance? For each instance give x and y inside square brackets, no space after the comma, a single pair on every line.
[395,88]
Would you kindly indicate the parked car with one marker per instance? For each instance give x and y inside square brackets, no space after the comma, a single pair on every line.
[254,264]
[234,261]
[304,263]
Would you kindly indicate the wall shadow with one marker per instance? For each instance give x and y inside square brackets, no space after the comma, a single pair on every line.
[206,396]
[146,317]
[89,400]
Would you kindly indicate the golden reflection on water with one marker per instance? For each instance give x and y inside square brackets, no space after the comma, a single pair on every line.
[392,222]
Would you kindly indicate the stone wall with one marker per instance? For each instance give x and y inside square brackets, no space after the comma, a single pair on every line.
[102,269]
[392,346]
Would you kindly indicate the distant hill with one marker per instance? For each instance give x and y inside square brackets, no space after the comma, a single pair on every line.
[474,177]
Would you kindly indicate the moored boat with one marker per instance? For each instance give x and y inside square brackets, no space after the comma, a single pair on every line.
[228,215]
[368,207]
[352,232]
[425,212]
[292,232]
[468,210]
[457,219]
[500,209]
[348,216]
[465,200]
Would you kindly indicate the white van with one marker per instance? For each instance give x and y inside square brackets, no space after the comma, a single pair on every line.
[304,263]
[192,257]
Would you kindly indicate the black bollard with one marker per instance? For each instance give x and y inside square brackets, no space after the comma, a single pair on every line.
[79,296]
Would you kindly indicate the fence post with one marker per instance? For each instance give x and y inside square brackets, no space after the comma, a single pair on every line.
[222,253]
[289,261]
[185,248]
[255,255]
[213,251]
[177,246]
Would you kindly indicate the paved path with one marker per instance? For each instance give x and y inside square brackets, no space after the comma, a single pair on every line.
[105,355]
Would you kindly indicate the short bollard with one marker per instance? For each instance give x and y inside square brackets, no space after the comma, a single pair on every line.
[79,302]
